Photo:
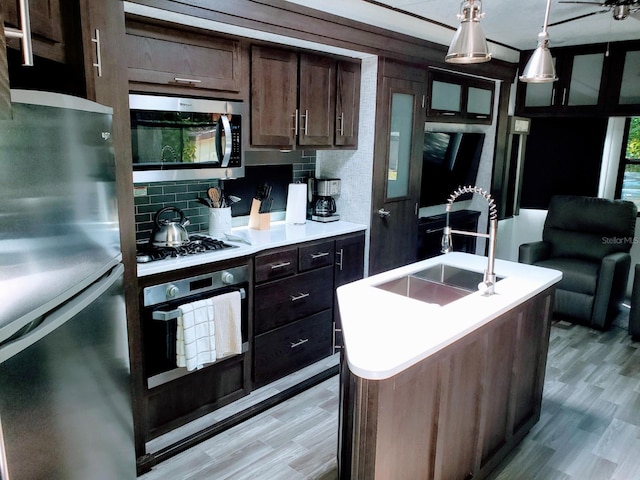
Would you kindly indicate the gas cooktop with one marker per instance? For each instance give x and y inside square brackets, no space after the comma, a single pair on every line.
[146,252]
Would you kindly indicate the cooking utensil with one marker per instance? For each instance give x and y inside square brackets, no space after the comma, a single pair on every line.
[214,195]
[170,232]
[205,201]
[232,199]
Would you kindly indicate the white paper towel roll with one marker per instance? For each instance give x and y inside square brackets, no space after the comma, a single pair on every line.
[296,204]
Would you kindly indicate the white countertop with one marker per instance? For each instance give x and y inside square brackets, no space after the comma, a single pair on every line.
[279,234]
[385,333]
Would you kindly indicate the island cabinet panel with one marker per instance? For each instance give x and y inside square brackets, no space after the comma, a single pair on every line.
[498,379]
[457,413]
[460,375]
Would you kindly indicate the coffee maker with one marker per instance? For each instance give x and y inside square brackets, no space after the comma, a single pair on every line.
[321,193]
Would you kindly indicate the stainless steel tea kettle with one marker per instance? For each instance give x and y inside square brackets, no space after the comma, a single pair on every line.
[170,233]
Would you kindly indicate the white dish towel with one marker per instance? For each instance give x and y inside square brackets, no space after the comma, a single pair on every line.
[195,335]
[227,319]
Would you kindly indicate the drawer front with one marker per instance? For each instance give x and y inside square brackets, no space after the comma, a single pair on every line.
[316,255]
[292,347]
[283,301]
[272,266]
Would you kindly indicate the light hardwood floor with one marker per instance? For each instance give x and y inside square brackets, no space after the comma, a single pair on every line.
[589,427]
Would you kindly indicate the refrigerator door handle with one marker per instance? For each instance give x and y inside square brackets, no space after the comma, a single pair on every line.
[62,314]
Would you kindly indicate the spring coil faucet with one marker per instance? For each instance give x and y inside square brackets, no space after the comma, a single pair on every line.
[487,286]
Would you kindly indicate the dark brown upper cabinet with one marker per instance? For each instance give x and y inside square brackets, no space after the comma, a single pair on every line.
[623,95]
[347,104]
[168,60]
[47,27]
[302,100]
[580,88]
[317,101]
[274,102]
[459,98]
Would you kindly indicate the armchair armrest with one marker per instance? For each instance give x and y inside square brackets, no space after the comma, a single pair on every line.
[611,288]
[533,252]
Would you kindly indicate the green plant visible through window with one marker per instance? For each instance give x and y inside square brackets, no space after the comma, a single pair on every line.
[633,145]
[631,175]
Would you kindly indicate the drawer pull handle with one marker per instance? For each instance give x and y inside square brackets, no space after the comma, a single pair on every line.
[315,256]
[300,296]
[280,265]
[300,342]
[186,80]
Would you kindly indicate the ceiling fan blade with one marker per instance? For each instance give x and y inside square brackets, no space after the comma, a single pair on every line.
[576,18]
[600,4]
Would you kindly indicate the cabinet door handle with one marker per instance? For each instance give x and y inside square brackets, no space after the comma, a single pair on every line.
[564,96]
[186,80]
[98,63]
[24,34]
[315,256]
[295,123]
[448,113]
[299,342]
[335,345]
[341,120]
[280,265]
[340,255]
[299,296]
[306,122]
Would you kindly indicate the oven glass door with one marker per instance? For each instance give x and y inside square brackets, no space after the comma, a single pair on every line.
[160,336]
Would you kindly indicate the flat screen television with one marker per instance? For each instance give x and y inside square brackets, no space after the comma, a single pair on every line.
[449,160]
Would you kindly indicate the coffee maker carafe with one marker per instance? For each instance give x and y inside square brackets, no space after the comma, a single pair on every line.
[323,205]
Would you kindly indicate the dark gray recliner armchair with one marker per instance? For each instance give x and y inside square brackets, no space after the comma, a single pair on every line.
[588,239]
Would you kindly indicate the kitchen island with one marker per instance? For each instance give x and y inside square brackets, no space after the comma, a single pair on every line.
[431,391]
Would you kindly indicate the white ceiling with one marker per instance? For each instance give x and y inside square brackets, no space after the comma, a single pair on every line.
[512,23]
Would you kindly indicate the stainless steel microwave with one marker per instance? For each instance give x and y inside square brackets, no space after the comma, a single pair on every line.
[185,138]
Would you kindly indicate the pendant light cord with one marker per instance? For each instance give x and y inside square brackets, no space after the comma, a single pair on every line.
[546,17]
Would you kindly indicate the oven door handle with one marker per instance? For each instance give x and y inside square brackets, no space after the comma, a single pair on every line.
[173,314]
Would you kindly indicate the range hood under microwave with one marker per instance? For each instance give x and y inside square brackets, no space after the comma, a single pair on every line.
[185,138]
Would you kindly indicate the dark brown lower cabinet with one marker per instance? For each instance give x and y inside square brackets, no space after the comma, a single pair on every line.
[176,403]
[454,415]
[292,347]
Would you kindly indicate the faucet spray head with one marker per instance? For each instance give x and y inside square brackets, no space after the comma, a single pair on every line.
[446,243]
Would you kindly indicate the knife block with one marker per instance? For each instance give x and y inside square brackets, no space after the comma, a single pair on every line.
[257,220]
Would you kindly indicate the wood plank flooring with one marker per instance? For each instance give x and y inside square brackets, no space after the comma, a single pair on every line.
[589,427]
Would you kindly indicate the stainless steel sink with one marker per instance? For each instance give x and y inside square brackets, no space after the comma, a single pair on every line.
[440,284]
[454,276]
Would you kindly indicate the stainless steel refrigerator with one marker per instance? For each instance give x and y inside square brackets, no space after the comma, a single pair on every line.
[65,405]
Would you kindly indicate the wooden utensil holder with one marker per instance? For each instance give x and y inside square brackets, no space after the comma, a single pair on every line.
[257,220]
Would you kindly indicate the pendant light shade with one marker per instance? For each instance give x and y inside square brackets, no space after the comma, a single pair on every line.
[468,44]
[540,67]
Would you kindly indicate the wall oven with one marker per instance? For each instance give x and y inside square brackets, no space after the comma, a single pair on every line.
[160,314]
[176,138]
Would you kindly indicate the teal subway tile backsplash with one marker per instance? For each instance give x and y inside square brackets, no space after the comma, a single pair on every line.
[184,195]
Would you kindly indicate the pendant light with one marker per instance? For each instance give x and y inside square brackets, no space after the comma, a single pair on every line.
[468,44]
[540,67]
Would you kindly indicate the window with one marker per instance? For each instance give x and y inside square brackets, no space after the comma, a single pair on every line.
[629,181]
